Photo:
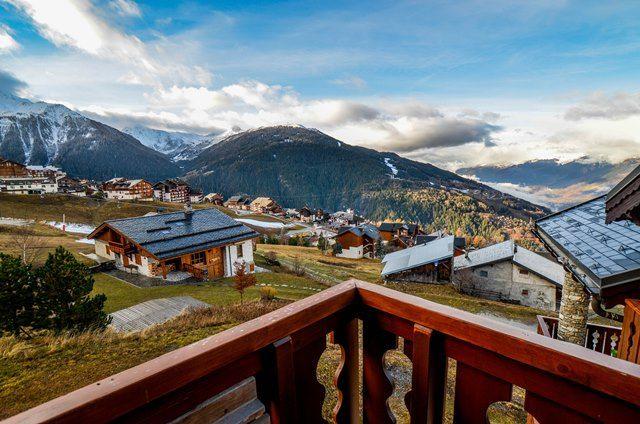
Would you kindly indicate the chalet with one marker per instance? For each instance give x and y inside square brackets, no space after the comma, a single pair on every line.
[196,196]
[306,214]
[205,243]
[265,205]
[425,263]
[389,230]
[9,168]
[28,185]
[50,172]
[215,198]
[124,189]
[72,186]
[172,190]
[357,242]
[508,272]
[238,202]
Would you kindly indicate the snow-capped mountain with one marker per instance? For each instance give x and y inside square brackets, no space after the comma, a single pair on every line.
[40,133]
[176,144]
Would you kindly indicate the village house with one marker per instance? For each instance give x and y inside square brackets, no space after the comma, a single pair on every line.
[598,242]
[214,198]
[172,190]
[306,214]
[508,272]
[196,196]
[357,242]
[9,168]
[124,189]
[389,230]
[68,185]
[15,178]
[265,205]
[425,263]
[204,243]
[238,202]
[50,172]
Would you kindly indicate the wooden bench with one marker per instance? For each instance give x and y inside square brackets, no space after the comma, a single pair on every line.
[236,405]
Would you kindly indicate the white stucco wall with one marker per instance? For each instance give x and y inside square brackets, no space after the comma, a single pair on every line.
[101,249]
[352,253]
[231,256]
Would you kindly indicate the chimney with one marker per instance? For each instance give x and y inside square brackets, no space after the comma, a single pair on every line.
[188,211]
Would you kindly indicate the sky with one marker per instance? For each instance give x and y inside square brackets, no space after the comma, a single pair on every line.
[456,84]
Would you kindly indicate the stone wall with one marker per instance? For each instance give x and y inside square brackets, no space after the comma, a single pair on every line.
[574,307]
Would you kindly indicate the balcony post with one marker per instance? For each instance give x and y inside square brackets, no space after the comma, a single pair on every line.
[377,387]
[347,409]
[574,307]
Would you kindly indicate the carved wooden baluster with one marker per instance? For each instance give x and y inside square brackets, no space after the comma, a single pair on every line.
[475,392]
[277,386]
[310,391]
[544,411]
[377,386]
[425,400]
[347,410]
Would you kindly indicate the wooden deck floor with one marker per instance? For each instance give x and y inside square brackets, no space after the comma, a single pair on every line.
[151,312]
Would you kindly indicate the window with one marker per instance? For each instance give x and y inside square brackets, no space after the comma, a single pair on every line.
[525,292]
[523,272]
[198,258]
[239,250]
[484,274]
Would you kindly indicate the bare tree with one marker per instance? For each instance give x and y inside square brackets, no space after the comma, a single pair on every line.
[26,241]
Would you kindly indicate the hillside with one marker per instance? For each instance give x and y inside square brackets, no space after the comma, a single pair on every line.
[300,166]
[39,133]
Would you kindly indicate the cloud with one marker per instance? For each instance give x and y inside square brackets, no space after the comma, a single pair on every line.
[126,8]
[614,106]
[10,84]
[7,42]
[76,24]
[351,82]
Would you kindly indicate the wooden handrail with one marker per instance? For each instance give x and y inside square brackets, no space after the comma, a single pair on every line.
[282,349]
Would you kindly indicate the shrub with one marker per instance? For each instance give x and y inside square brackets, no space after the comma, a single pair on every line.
[243,280]
[297,267]
[17,290]
[337,249]
[271,258]
[268,293]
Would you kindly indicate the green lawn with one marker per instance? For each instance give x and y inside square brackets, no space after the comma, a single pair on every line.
[121,295]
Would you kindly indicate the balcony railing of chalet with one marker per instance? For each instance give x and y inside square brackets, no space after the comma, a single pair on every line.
[123,249]
[601,338]
[198,271]
[563,382]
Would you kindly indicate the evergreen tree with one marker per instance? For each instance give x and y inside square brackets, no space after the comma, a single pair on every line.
[16,295]
[380,251]
[64,295]
[337,248]
[323,244]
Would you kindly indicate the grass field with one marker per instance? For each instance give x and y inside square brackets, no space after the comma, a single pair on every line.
[121,295]
[44,239]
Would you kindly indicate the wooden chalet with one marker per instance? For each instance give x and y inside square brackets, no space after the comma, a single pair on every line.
[265,370]
[9,168]
[623,201]
[172,190]
[357,242]
[238,202]
[204,242]
[125,189]
[391,230]
[215,198]
[265,205]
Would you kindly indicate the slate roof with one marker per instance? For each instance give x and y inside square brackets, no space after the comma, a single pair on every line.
[416,256]
[362,230]
[604,254]
[173,234]
[508,251]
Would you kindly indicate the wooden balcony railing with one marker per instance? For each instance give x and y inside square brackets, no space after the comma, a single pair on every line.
[123,249]
[601,338]
[563,382]
[200,271]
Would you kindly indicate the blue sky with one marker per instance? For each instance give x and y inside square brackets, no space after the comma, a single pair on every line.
[454,83]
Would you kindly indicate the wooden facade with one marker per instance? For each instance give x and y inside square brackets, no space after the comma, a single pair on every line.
[203,264]
[10,168]
[562,383]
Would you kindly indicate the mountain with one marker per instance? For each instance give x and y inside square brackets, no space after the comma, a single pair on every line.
[299,166]
[39,133]
[179,146]
[554,182]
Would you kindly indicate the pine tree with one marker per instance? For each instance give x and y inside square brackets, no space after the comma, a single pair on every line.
[64,295]
[17,289]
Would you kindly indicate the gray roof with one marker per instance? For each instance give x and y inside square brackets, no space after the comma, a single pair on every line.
[174,234]
[604,254]
[362,230]
[416,256]
[507,250]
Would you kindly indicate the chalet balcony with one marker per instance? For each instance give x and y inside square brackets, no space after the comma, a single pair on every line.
[280,352]
[122,248]
[600,338]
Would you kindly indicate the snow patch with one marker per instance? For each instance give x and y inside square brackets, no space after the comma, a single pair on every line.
[262,224]
[394,170]
[85,241]
[71,227]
